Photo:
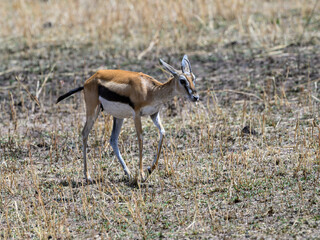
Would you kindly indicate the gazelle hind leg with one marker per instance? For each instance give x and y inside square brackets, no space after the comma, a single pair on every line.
[156,120]
[85,133]
[117,124]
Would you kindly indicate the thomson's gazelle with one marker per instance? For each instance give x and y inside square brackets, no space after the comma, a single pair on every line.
[125,94]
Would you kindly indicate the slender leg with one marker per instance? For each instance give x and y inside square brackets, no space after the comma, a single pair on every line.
[85,132]
[137,122]
[117,124]
[156,120]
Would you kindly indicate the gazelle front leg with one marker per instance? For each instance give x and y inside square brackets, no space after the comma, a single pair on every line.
[156,120]
[137,122]
[117,124]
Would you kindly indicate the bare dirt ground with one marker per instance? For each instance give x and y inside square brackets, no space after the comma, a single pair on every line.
[243,163]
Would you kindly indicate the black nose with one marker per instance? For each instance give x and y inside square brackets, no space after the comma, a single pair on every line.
[196,98]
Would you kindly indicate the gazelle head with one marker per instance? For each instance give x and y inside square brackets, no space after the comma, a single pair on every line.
[184,79]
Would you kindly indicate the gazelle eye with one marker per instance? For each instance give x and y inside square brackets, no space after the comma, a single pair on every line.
[183,81]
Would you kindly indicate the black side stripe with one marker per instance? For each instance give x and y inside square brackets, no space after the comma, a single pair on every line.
[109,95]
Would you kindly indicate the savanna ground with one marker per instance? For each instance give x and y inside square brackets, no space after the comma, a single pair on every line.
[242,163]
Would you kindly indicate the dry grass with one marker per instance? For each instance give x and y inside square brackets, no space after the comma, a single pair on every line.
[169,24]
[243,163]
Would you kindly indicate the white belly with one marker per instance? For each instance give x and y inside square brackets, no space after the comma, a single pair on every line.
[117,109]
[122,110]
[149,110]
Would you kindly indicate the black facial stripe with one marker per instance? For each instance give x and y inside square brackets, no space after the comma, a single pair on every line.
[185,86]
[185,83]
[109,95]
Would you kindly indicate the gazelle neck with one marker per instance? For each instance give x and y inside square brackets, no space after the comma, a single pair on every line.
[166,91]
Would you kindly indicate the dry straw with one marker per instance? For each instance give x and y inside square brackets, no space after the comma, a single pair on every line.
[141,24]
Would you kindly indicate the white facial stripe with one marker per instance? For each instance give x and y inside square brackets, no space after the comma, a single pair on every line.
[193,77]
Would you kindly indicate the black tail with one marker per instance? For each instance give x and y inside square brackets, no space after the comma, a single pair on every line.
[69,93]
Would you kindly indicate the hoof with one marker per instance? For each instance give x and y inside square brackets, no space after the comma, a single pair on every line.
[146,175]
[89,180]
[140,177]
[129,177]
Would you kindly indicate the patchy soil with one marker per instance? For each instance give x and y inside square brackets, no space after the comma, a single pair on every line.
[243,163]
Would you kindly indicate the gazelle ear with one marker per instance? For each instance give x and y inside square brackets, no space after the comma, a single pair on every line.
[185,65]
[168,68]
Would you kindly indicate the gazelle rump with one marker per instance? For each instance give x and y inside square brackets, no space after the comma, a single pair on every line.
[125,94]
